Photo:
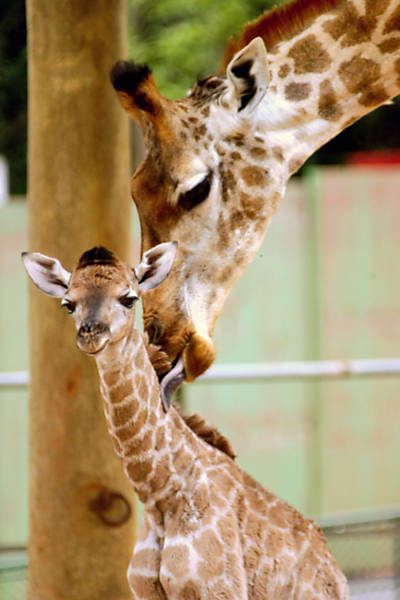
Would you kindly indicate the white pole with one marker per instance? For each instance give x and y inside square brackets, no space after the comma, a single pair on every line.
[4,185]
[328,369]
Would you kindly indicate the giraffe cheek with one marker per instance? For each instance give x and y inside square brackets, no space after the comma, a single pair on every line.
[198,355]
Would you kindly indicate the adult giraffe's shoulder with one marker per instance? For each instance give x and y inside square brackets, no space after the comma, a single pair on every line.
[218,161]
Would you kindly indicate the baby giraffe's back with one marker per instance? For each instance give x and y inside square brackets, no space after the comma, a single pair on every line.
[285,555]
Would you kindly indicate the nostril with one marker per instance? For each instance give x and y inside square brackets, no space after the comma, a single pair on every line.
[92,328]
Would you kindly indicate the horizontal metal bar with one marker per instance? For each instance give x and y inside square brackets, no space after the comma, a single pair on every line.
[14,379]
[362,516]
[327,369]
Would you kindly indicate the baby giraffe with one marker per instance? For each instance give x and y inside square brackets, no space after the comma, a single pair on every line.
[209,531]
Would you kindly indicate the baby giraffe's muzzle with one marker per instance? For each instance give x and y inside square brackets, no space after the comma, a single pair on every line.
[92,336]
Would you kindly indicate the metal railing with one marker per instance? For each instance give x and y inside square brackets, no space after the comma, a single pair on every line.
[326,369]
[286,371]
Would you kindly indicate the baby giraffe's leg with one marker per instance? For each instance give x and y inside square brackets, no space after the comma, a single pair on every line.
[144,569]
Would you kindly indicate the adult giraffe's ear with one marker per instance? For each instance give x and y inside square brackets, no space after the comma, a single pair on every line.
[47,273]
[248,76]
[137,90]
[156,265]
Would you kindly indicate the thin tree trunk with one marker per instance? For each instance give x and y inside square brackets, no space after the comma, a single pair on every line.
[81,534]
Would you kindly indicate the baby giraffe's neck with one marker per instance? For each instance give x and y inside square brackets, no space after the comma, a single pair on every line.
[148,440]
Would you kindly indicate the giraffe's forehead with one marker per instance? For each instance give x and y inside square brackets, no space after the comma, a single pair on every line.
[102,278]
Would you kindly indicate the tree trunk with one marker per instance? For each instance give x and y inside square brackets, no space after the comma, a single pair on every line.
[81,528]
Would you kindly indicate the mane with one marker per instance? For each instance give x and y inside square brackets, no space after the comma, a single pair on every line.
[158,358]
[207,432]
[278,24]
[199,426]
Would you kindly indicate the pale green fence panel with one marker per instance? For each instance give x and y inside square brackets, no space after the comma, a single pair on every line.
[266,318]
[358,225]
[13,357]
[324,285]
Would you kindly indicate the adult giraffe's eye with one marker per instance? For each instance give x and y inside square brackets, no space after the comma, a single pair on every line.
[128,301]
[196,195]
[70,306]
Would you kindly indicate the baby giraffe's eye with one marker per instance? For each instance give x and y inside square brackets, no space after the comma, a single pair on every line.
[70,306]
[128,300]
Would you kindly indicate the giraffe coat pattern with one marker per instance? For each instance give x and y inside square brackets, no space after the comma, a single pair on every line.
[209,530]
[218,161]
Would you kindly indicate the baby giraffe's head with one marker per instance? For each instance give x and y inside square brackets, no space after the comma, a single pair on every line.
[101,291]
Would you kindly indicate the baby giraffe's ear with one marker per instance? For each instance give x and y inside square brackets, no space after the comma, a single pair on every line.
[156,265]
[248,76]
[47,273]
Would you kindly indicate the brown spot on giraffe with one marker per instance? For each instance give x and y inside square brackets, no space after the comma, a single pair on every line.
[161,473]
[389,46]
[148,559]
[254,176]
[227,181]
[393,22]
[122,414]
[139,470]
[251,206]
[176,559]
[359,76]
[277,153]
[134,446]
[111,378]
[296,92]
[234,156]
[190,591]
[125,433]
[328,106]
[295,164]
[309,56]
[258,152]
[351,27]
[284,71]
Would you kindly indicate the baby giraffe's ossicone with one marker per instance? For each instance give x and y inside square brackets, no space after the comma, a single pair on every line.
[101,293]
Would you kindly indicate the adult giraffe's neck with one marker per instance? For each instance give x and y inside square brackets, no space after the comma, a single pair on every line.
[339,68]
[147,439]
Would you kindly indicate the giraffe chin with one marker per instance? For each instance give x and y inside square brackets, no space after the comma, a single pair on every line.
[92,347]
[198,355]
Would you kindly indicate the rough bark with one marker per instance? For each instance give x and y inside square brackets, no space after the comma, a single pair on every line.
[78,197]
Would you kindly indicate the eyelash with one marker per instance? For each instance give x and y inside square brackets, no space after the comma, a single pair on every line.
[196,195]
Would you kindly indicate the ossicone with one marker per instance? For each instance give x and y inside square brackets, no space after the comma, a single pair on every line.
[137,90]
[126,76]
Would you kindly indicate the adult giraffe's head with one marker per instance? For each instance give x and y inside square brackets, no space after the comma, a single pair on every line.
[196,185]
[218,161]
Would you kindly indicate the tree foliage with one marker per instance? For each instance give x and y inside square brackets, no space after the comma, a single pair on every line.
[13,96]
[182,41]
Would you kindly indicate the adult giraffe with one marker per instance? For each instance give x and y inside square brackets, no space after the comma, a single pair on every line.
[218,161]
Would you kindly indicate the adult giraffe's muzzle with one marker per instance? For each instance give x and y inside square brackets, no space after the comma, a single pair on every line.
[189,352]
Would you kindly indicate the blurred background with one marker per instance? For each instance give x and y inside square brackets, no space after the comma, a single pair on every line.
[324,285]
